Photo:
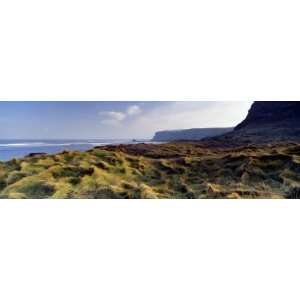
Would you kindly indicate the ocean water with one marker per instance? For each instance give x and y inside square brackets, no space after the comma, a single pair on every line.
[10,149]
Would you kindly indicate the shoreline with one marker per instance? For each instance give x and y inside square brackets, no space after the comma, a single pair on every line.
[21,148]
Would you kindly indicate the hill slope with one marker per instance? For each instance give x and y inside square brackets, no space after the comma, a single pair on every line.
[179,170]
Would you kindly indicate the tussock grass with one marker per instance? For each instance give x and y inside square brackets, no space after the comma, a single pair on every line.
[178,170]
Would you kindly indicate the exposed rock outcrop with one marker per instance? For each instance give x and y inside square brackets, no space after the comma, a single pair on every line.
[35,154]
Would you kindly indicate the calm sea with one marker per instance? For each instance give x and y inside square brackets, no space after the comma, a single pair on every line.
[19,148]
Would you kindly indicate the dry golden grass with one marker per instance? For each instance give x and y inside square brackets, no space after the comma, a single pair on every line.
[176,170]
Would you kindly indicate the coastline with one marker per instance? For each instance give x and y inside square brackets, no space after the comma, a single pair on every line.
[18,149]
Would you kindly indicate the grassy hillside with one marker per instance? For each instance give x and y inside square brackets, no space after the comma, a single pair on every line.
[156,171]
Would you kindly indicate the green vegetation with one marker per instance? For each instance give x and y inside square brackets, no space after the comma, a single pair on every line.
[175,170]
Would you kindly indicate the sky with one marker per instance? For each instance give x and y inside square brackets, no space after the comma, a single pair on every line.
[112,119]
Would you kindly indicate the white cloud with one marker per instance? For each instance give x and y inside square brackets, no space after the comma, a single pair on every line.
[112,117]
[134,110]
[116,115]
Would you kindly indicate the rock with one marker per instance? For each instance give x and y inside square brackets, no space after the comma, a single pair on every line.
[36,154]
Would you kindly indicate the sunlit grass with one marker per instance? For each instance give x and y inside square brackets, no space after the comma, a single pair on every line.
[156,171]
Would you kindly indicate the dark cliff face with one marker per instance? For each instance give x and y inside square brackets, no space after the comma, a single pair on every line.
[267,122]
[284,114]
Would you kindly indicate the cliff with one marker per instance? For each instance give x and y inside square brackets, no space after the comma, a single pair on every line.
[267,122]
[189,134]
[277,114]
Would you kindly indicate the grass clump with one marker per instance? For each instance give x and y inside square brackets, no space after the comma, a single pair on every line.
[179,170]
[14,177]
[59,172]
[31,187]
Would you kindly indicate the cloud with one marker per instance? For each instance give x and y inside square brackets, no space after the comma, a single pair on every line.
[116,115]
[114,118]
[133,110]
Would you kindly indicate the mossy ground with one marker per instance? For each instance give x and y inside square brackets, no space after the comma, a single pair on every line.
[177,170]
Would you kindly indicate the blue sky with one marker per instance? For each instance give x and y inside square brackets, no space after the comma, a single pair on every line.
[112,119]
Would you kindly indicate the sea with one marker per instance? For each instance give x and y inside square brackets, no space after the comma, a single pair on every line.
[11,148]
